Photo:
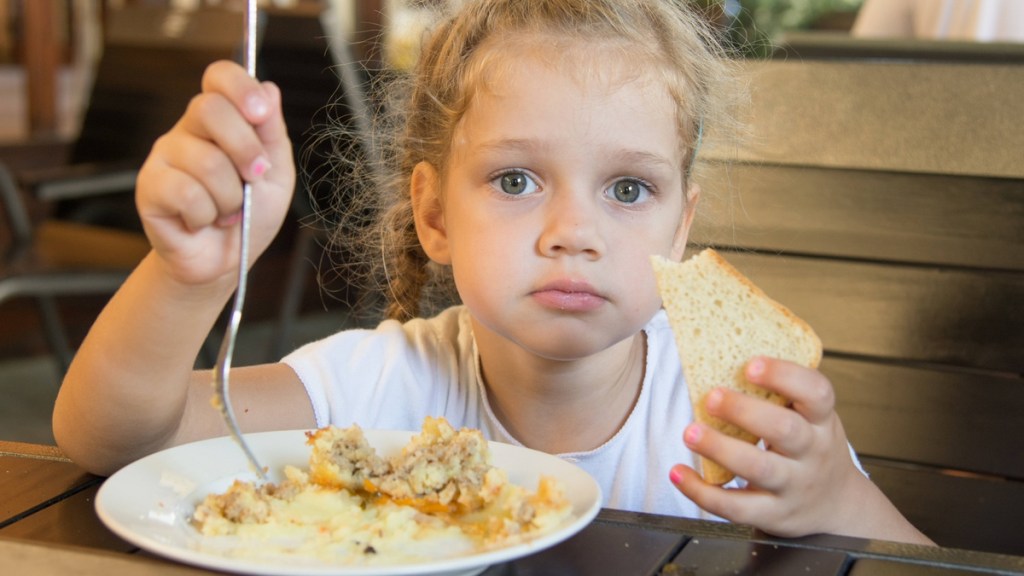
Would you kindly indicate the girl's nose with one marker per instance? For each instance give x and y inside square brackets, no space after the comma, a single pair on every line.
[571,227]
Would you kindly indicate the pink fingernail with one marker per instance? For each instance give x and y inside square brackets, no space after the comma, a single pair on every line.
[756,368]
[229,220]
[692,434]
[675,476]
[713,400]
[259,166]
[256,106]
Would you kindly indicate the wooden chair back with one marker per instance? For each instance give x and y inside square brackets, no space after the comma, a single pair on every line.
[883,202]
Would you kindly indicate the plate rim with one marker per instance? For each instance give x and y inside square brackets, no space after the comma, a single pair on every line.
[454,565]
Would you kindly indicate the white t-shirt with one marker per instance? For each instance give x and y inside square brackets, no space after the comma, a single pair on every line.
[394,376]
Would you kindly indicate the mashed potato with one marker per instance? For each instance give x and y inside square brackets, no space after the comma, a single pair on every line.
[439,497]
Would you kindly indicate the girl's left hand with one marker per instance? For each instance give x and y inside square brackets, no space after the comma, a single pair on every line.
[804,482]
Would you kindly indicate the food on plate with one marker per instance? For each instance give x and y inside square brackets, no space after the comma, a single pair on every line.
[439,497]
[721,320]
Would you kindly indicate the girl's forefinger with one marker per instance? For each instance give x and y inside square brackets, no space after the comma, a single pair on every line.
[213,118]
[234,83]
[740,506]
[809,391]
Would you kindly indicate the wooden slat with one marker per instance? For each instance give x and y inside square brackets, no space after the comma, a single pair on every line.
[30,483]
[97,248]
[32,451]
[42,57]
[72,522]
[600,549]
[970,513]
[154,24]
[714,557]
[900,313]
[858,548]
[898,116]
[19,557]
[933,219]
[932,417]
[822,45]
[882,567]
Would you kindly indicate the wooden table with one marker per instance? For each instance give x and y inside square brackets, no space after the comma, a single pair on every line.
[48,525]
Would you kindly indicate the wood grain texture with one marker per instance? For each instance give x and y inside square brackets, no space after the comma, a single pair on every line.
[960,221]
[882,201]
[31,483]
[918,314]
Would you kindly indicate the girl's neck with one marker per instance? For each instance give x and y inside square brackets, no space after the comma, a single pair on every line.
[562,406]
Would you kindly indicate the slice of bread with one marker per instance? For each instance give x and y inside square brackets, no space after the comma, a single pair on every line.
[721,320]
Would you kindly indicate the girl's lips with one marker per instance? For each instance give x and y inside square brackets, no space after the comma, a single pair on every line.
[568,296]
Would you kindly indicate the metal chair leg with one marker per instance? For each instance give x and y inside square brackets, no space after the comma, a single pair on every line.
[298,271]
[54,331]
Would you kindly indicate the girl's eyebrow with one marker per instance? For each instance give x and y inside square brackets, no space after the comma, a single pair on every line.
[511,145]
[643,158]
[646,159]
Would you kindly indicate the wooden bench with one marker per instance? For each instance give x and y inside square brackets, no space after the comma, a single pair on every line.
[829,45]
[884,203]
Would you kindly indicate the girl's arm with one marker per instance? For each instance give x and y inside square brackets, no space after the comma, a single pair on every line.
[806,482]
[130,389]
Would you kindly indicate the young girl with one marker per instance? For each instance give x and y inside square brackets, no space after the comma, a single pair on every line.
[546,155]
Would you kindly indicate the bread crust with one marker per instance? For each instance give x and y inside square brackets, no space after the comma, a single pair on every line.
[721,320]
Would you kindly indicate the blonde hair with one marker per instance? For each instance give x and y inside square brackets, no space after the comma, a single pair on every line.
[423,109]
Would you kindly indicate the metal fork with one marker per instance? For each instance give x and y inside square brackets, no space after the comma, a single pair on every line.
[227,348]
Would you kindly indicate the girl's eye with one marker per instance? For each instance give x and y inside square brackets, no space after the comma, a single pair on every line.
[515,183]
[629,191]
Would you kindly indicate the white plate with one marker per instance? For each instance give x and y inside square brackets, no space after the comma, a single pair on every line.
[150,502]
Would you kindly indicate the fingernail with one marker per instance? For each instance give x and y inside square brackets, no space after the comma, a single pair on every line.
[692,434]
[229,220]
[259,166]
[256,106]
[755,368]
[675,476]
[713,400]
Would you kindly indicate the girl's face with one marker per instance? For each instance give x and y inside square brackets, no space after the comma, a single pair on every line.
[558,191]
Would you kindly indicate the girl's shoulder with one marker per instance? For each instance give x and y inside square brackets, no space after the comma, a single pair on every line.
[389,376]
[419,335]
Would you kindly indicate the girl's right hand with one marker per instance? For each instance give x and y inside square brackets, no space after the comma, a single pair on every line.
[189,190]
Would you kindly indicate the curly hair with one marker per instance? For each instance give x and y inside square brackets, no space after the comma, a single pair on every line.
[420,110]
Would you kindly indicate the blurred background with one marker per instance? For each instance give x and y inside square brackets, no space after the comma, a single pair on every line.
[49,48]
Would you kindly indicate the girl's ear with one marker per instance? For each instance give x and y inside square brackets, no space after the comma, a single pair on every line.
[425,192]
[683,231]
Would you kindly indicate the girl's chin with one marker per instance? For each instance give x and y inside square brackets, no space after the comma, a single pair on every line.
[555,334]
[567,344]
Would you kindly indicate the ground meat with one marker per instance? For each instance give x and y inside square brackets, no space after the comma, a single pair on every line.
[440,465]
[342,458]
[242,504]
